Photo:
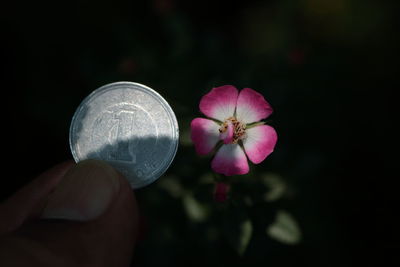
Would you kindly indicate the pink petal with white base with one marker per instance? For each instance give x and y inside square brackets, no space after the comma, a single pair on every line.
[220,103]
[204,134]
[252,106]
[230,160]
[259,142]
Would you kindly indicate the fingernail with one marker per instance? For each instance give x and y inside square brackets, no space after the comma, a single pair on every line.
[84,193]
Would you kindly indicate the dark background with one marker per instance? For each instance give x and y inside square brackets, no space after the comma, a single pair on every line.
[328,68]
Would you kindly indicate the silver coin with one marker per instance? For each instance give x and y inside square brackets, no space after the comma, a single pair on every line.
[128,125]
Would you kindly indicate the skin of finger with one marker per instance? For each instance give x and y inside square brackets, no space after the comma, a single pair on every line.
[106,241]
[28,202]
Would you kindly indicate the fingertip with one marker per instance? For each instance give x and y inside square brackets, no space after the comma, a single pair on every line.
[28,201]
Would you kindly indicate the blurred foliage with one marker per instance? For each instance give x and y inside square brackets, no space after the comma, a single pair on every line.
[285,229]
[324,66]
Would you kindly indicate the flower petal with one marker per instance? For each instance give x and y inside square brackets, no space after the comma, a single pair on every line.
[230,160]
[252,106]
[204,134]
[259,142]
[220,103]
[227,135]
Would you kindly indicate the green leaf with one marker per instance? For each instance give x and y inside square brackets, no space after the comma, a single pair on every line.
[276,185]
[237,228]
[194,210]
[285,229]
[172,186]
[246,230]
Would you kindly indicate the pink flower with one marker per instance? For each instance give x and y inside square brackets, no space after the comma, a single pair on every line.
[233,118]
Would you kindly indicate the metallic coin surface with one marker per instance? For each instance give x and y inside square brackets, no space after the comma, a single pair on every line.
[128,125]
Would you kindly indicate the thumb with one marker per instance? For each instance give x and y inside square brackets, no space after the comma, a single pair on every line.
[85,192]
[90,219]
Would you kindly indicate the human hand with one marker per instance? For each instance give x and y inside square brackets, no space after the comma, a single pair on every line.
[81,214]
